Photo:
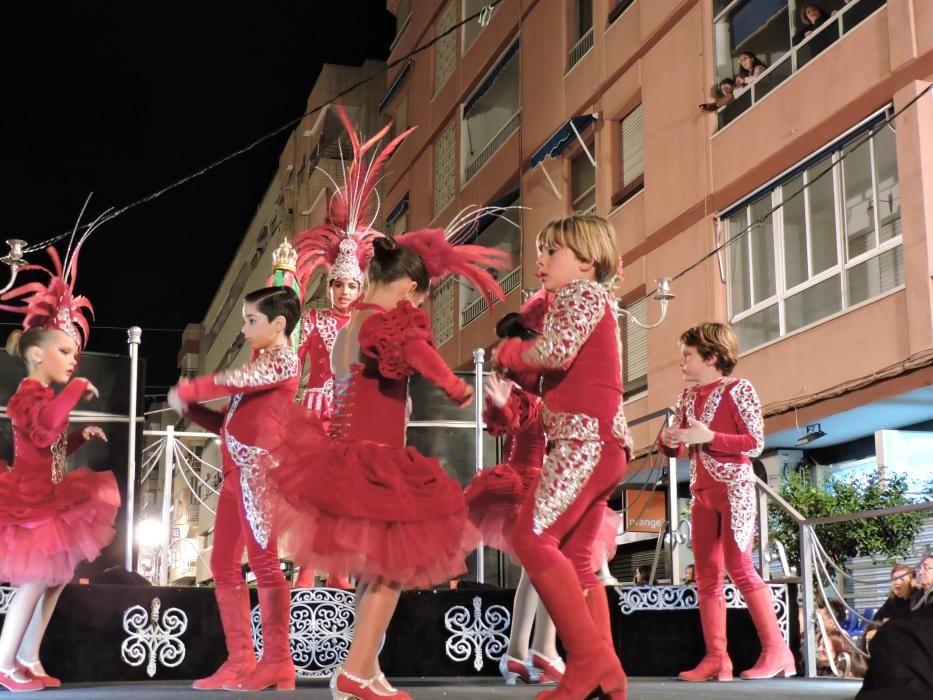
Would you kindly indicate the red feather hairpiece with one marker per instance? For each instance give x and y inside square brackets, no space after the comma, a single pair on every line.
[344,243]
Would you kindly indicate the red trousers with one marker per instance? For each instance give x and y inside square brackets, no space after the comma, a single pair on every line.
[572,535]
[715,548]
[232,533]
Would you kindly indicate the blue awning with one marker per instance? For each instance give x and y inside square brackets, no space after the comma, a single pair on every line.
[558,142]
[396,84]
[398,210]
[491,78]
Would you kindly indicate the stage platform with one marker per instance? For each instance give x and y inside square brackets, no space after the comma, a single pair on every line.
[477,689]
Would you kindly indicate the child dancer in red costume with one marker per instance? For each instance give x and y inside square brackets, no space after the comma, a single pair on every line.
[343,245]
[259,391]
[719,423]
[513,410]
[49,520]
[588,447]
[364,503]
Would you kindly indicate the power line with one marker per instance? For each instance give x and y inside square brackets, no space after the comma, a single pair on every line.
[483,13]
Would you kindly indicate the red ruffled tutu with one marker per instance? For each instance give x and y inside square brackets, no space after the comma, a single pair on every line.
[494,498]
[46,530]
[369,510]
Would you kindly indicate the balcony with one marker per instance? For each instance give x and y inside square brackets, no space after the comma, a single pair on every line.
[509,128]
[791,59]
[580,49]
[475,309]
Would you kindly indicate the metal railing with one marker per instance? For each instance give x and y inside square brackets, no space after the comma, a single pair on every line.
[495,143]
[813,564]
[476,308]
[851,15]
[580,49]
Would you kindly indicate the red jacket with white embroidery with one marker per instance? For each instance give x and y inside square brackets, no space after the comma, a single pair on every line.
[731,409]
[319,330]
[579,356]
[260,391]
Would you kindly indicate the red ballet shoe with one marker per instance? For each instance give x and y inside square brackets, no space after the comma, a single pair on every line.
[544,669]
[30,671]
[346,686]
[9,681]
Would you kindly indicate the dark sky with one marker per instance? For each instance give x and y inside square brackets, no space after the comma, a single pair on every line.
[123,98]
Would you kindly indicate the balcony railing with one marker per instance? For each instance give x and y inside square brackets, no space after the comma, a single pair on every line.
[850,16]
[475,309]
[495,143]
[580,49]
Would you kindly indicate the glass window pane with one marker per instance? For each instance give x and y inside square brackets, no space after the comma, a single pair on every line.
[876,276]
[822,203]
[737,258]
[758,328]
[860,223]
[762,242]
[582,173]
[586,204]
[795,237]
[889,191]
[813,303]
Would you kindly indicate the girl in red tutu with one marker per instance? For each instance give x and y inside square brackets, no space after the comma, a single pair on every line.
[364,503]
[578,356]
[49,520]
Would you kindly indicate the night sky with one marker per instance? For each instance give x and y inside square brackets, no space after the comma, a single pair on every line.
[121,99]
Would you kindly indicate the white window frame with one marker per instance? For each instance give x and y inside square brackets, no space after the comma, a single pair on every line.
[842,266]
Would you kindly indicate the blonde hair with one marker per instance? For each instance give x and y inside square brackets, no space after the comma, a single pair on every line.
[590,237]
[717,340]
[19,342]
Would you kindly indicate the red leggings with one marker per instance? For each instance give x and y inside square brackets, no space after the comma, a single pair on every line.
[572,535]
[715,548]
[232,533]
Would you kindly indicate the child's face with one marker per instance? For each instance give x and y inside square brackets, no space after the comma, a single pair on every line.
[693,366]
[560,266]
[258,330]
[56,361]
[343,292]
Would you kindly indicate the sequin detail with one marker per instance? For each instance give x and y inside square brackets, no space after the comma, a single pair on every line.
[253,480]
[620,430]
[317,398]
[739,477]
[271,367]
[569,426]
[566,469]
[327,329]
[749,405]
[59,457]
[576,311]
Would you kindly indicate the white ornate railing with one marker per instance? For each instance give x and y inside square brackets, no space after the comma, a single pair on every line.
[509,128]
[475,309]
[580,49]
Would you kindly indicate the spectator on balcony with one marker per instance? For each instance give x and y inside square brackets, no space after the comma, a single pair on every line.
[812,17]
[643,575]
[690,575]
[750,67]
[725,96]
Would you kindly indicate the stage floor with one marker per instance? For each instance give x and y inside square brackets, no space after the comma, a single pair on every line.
[472,689]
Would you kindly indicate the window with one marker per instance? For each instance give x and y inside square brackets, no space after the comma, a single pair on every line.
[445,50]
[472,28]
[400,120]
[583,182]
[635,350]
[490,113]
[445,177]
[620,7]
[582,32]
[631,155]
[832,241]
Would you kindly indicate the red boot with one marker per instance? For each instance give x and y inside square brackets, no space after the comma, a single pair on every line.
[233,604]
[275,668]
[597,602]
[716,665]
[592,663]
[776,658]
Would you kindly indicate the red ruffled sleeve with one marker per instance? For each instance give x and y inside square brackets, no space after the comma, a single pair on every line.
[383,336]
[42,415]
[511,418]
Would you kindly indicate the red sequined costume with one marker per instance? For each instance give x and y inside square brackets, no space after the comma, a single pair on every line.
[259,391]
[723,510]
[363,502]
[319,328]
[50,520]
[579,356]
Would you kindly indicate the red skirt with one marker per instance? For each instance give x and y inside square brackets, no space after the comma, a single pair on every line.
[46,530]
[369,510]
